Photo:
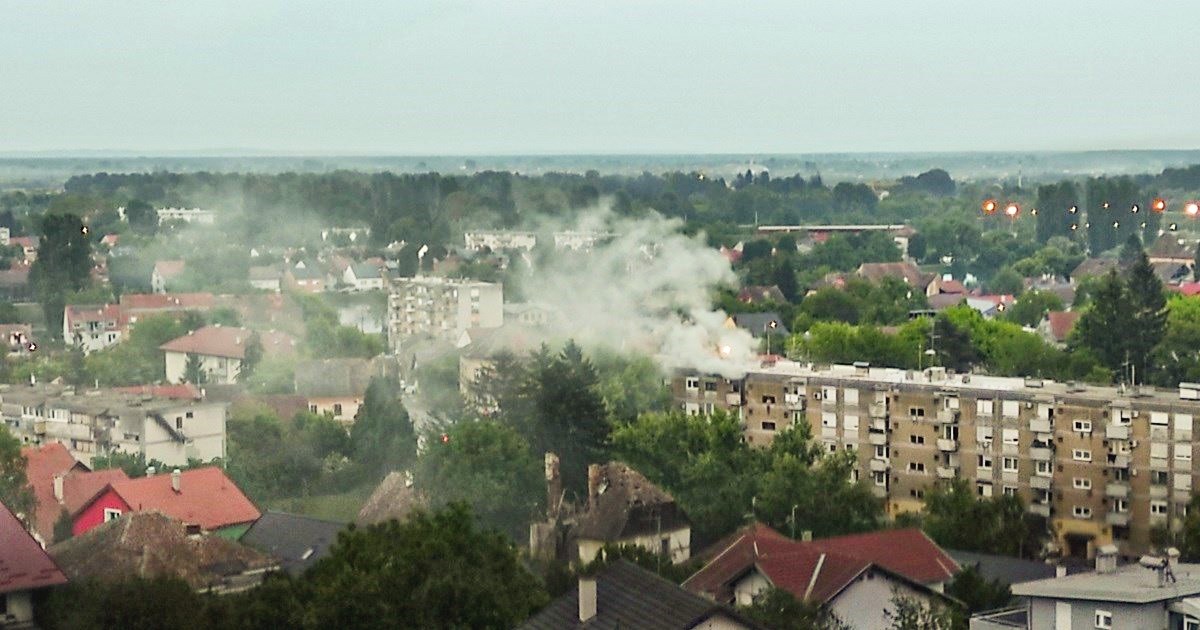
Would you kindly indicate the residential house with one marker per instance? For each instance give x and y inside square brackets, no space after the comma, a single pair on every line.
[203,498]
[531,314]
[990,305]
[91,327]
[1093,267]
[297,542]
[104,421]
[756,294]
[625,508]
[25,569]
[1169,248]
[60,483]
[579,240]
[1005,569]
[265,278]
[1157,592]
[137,305]
[152,544]
[394,498]
[304,276]
[1171,272]
[14,283]
[20,338]
[334,386]
[28,245]
[363,276]
[220,351]
[758,324]
[164,274]
[906,272]
[1056,326]
[945,285]
[479,348]
[854,577]
[623,595]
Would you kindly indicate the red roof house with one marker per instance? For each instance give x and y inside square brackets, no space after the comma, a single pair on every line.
[59,482]
[838,573]
[203,497]
[1057,325]
[24,568]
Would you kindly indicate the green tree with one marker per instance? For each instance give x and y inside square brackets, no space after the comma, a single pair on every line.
[63,264]
[1032,307]
[909,613]
[956,518]
[252,357]
[382,435]
[194,372]
[133,602]
[778,609]
[451,574]
[1147,318]
[570,418]
[64,527]
[978,593]
[15,492]
[1104,326]
[1006,282]
[141,217]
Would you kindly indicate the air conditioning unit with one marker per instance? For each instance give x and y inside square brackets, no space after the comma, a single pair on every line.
[1029,405]
[1132,472]
[1133,443]
[816,395]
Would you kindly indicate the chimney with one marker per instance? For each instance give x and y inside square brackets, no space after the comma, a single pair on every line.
[58,487]
[1060,570]
[150,470]
[593,485]
[177,480]
[554,483]
[1106,559]
[587,597]
[806,535]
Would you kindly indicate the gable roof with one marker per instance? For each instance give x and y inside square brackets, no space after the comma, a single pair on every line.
[755,293]
[152,544]
[907,552]
[42,465]
[24,565]
[169,268]
[631,597]
[79,313]
[1093,267]
[206,498]
[1170,271]
[296,541]
[905,271]
[165,301]
[1170,247]
[756,323]
[329,378]
[394,498]
[182,391]
[229,341]
[265,272]
[1061,323]
[365,271]
[627,504]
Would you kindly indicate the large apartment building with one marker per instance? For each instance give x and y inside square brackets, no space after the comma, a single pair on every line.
[441,307]
[95,422]
[1105,465]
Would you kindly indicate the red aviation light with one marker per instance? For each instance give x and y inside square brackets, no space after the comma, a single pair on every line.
[989,206]
[1159,205]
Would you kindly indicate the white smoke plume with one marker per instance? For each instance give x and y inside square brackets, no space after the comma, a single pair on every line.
[647,289]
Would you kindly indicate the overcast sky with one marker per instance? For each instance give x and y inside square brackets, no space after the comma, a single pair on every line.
[602,76]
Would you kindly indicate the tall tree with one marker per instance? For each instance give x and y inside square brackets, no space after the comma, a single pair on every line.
[15,492]
[570,418]
[1131,252]
[63,265]
[141,217]
[382,436]
[1148,316]
[1104,326]
[778,609]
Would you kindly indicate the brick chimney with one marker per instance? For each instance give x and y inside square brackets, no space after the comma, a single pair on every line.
[177,481]
[553,484]
[58,487]
[587,596]
[593,485]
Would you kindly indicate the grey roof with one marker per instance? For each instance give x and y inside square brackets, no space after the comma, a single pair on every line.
[1132,583]
[629,505]
[1003,568]
[365,271]
[756,323]
[330,378]
[630,597]
[296,541]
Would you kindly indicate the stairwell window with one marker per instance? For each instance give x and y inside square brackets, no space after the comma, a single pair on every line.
[1081,455]
[1103,619]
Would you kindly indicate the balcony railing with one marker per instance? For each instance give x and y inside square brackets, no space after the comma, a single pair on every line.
[1120,519]
[1116,490]
[1040,482]
[1041,509]
[947,445]
[944,472]
[1113,432]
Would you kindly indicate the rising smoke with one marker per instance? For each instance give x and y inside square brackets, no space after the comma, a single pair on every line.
[646,289]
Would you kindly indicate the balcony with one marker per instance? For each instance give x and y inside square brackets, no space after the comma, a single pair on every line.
[946,445]
[795,401]
[1118,461]
[1039,426]
[879,465]
[1041,509]
[829,403]
[876,439]
[944,472]
[1119,519]
[1115,432]
[1116,490]
[1158,492]
[879,424]
[880,492]
[878,410]
[1040,482]
[733,400]
[1041,453]
[947,416]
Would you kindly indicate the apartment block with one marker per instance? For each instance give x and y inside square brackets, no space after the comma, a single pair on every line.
[441,307]
[101,422]
[1105,465]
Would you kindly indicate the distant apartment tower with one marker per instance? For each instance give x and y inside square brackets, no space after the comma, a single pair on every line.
[500,240]
[1105,465]
[187,215]
[441,307]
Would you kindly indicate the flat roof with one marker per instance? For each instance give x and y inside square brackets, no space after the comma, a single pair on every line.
[1131,583]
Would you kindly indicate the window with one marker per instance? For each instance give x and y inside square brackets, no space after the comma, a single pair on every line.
[916,439]
[850,423]
[1158,508]
[1010,408]
[178,423]
[189,415]
[832,446]
[1103,619]
[1183,452]
[1010,491]
[1044,469]
[881,452]
[916,467]
[1081,455]
[916,412]
[768,399]
[1158,450]
[1158,418]
[692,383]
[312,409]
[850,396]
[1191,624]
[880,478]
[916,494]
[983,407]
[711,386]
[1082,483]
[1011,437]
[1183,481]
[1120,505]
[111,514]
[829,420]
[984,489]
[829,393]
[1082,426]
[983,434]
[337,409]
[1082,511]
[1158,477]
[768,426]
[984,462]
[1009,464]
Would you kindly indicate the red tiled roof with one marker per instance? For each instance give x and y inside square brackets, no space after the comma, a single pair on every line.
[15,276]
[165,301]
[952,286]
[206,498]
[42,464]
[907,272]
[23,564]
[1062,323]
[1188,289]
[182,391]
[811,575]
[228,341]
[92,313]
[907,552]
[729,558]
[169,268]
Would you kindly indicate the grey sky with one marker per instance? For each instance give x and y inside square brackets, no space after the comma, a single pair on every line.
[558,76]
